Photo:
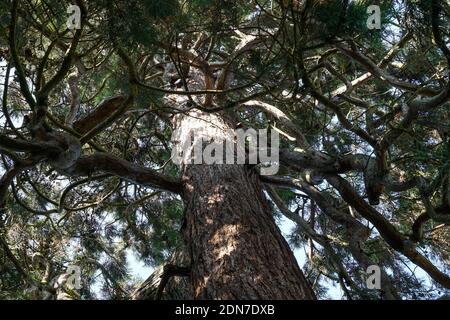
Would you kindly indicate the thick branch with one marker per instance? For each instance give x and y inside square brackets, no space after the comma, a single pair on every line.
[17,64]
[378,72]
[45,148]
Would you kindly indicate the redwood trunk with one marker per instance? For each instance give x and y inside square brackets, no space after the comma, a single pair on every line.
[237,251]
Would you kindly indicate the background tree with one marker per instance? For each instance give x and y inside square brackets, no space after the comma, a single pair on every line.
[90,117]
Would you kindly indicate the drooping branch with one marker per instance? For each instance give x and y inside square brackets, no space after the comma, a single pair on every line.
[326,203]
[389,233]
[357,233]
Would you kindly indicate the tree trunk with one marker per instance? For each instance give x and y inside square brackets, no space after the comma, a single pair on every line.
[236,249]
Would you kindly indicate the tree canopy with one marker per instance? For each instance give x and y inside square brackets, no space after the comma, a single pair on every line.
[86,135]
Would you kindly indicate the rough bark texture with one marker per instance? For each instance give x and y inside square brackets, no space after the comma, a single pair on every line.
[236,249]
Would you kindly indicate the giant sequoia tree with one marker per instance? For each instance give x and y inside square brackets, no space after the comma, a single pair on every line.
[90,116]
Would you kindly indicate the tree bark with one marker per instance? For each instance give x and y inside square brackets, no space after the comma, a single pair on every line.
[236,249]
[176,288]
